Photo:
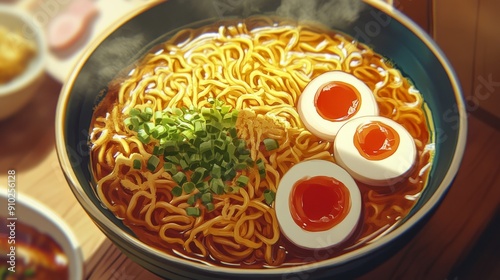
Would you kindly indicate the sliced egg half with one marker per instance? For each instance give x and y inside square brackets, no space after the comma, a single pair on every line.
[375,150]
[332,99]
[318,204]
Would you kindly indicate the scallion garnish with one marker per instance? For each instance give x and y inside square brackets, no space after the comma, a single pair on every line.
[201,142]
[177,191]
[193,211]
[269,196]
[153,162]
[137,164]
[188,187]
[242,180]
[179,178]
[271,144]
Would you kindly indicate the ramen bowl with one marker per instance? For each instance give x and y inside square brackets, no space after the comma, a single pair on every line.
[378,25]
[36,228]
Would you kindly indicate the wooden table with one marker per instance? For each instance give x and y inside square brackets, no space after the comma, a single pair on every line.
[450,246]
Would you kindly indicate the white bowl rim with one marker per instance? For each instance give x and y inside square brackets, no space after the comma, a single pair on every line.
[402,229]
[38,64]
[75,256]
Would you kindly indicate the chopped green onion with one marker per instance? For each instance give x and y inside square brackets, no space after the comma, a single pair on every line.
[191,200]
[198,174]
[217,186]
[206,197]
[269,196]
[146,114]
[157,150]
[179,178]
[188,187]
[177,191]
[271,144]
[171,147]
[170,168]
[148,127]
[193,211]
[231,148]
[128,123]
[153,163]
[195,157]
[240,166]
[159,132]
[229,174]
[184,164]
[137,164]
[210,206]
[134,112]
[216,171]
[166,120]
[143,136]
[261,167]
[225,109]
[242,180]
[173,159]
[203,186]
[232,132]
[177,112]
[158,117]
[230,189]
[202,142]
[206,146]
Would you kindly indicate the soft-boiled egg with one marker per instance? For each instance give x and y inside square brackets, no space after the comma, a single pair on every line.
[332,99]
[318,204]
[375,150]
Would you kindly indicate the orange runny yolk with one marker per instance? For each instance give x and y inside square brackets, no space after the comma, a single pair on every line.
[319,203]
[376,140]
[337,101]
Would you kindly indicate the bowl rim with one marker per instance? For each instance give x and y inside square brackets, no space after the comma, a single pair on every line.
[75,256]
[402,229]
[37,67]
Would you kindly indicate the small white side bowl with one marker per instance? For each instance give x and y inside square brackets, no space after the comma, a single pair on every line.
[17,92]
[36,215]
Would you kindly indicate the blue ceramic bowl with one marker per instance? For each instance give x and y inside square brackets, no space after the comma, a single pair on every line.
[380,26]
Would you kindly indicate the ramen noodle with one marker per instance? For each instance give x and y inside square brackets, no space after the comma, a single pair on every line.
[252,72]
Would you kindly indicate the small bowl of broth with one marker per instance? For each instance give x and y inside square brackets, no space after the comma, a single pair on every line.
[35,243]
[236,142]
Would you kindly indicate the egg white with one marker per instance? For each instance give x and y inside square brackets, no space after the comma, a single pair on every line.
[375,172]
[319,239]
[314,122]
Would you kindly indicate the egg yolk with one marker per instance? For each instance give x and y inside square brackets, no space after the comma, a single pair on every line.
[337,101]
[376,140]
[319,203]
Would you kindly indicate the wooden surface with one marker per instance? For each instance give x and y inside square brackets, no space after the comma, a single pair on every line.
[470,37]
[457,243]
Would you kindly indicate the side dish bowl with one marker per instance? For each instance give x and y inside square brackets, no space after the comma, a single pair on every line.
[27,212]
[379,25]
[17,92]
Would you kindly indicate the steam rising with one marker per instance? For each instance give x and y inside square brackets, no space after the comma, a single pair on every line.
[333,13]
[115,55]
[108,60]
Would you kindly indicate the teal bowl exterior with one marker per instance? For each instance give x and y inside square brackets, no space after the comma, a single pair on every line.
[380,26]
